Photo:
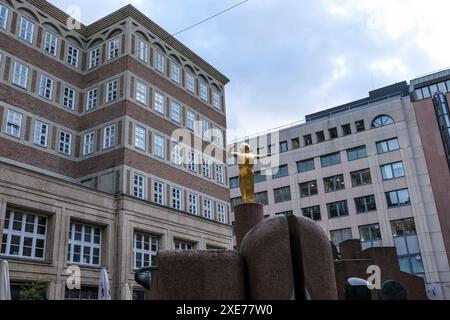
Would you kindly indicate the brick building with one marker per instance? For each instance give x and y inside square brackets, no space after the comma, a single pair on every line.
[90,173]
[374,169]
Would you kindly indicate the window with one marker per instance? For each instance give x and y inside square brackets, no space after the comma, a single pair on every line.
[192,166]
[176,153]
[140,137]
[407,245]
[175,113]
[183,245]
[330,160]
[218,136]
[280,172]
[346,129]
[158,192]
[160,105]
[205,129]
[203,91]
[308,140]
[109,137]
[138,186]
[40,134]
[370,236]
[190,82]
[398,198]
[392,171]
[365,204]
[142,50]
[85,293]
[207,208]
[308,189]
[262,198]
[175,72]
[69,98]
[337,209]
[111,91]
[190,120]
[361,178]
[20,77]
[193,203]
[382,121]
[51,43]
[26,30]
[339,236]
[13,124]
[312,213]
[221,213]
[333,184]
[333,133]
[295,143]
[357,153]
[305,165]
[84,245]
[113,48]
[158,146]
[94,58]
[141,92]
[3,17]
[360,126]
[220,173]
[46,87]
[176,198]
[73,56]
[65,143]
[24,235]
[282,194]
[89,143]
[234,183]
[160,62]
[206,168]
[217,99]
[145,249]
[92,99]
[260,176]
[235,202]
[320,136]
[388,146]
[284,147]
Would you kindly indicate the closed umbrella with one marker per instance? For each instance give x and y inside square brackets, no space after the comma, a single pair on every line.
[5,289]
[127,295]
[103,287]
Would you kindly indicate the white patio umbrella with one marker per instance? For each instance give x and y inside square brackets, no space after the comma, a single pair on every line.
[126,293]
[5,288]
[103,286]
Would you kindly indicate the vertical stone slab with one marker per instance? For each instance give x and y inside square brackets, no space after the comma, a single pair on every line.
[247,216]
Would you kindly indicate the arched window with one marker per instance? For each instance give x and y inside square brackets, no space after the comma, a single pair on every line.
[381,121]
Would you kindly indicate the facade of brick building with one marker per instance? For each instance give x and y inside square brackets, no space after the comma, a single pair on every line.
[92,174]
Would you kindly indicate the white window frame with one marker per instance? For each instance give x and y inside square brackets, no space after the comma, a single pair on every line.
[160,103]
[206,132]
[73,55]
[91,245]
[183,245]
[69,96]
[159,146]
[140,135]
[109,137]
[203,88]
[158,192]
[26,31]
[13,123]
[20,76]
[176,153]
[92,99]
[177,198]
[41,134]
[220,173]
[65,142]
[114,48]
[141,92]
[89,143]
[94,58]
[51,43]
[175,72]
[190,81]
[217,99]
[160,61]
[4,12]
[112,93]
[218,136]
[46,87]
[221,213]
[175,111]
[207,168]
[190,120]
[192,166]
[207,209]
[142,50]
[153,242]
[193,203]
[138,186]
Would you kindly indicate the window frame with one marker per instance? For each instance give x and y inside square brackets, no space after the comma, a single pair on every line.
[94,58]
[140,137]
[46,87]
[73,55]
[69,98]
[159,146]
[64,144]
[158,192]
[114,48]
[83,244]
[39,135]
[87,143]
[5,16]
[14,122]
[109,139]
[139,186]
[151,253]
[112,90]
[20,77]
[26,30]
[50,43]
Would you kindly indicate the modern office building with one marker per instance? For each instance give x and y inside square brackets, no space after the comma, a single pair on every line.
[91,173]
[375,169]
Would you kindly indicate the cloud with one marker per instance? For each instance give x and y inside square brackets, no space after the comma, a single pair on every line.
[389,66]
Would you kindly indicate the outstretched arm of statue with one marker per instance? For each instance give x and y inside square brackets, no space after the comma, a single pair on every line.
[259,156]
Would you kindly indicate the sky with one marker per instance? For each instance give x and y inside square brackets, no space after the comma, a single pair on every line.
[290,58]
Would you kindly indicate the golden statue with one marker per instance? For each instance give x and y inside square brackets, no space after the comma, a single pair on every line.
[246,161]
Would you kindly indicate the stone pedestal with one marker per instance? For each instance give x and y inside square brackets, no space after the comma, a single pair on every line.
[247,216]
